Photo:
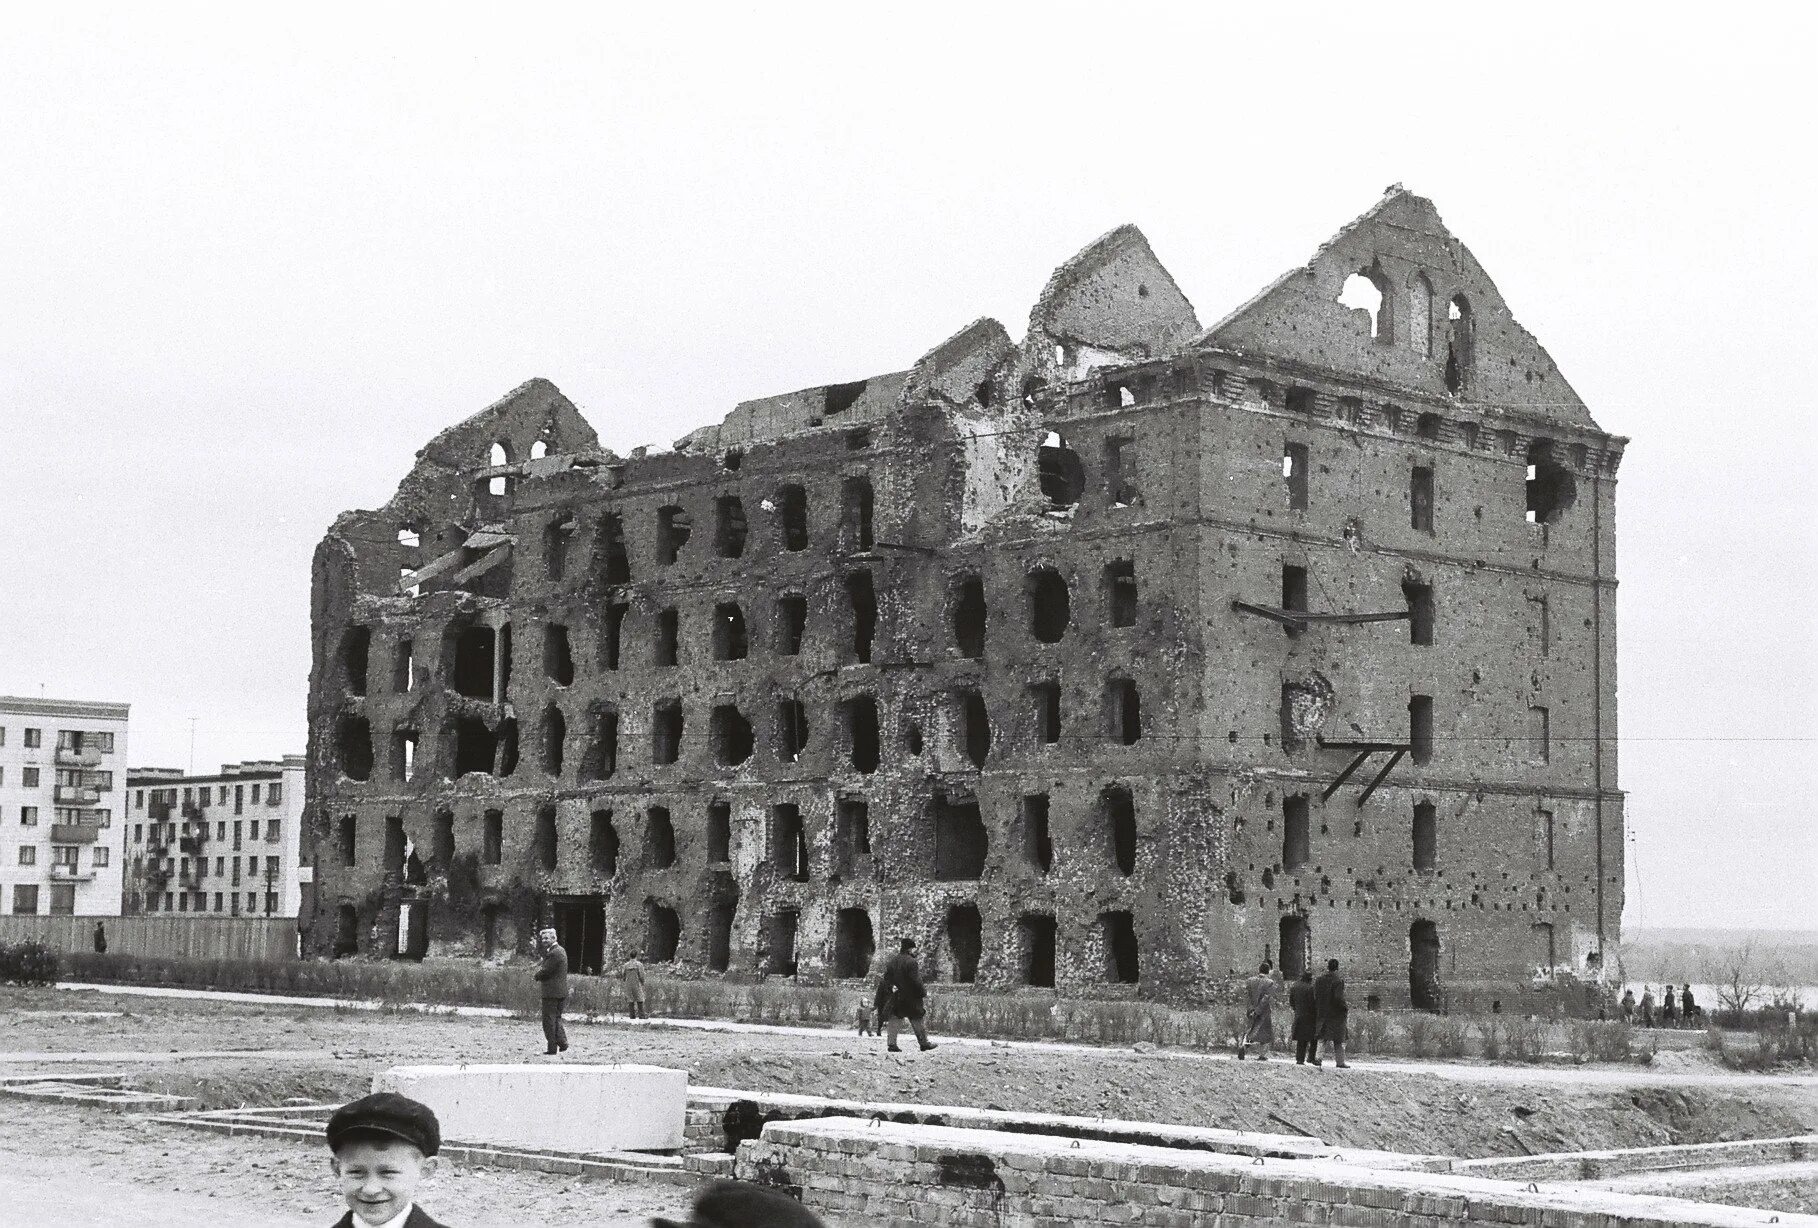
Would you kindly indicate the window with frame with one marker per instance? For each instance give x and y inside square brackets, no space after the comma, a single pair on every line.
[101,858]
[34,738]
[28,816]
[28,854]
[25,899]
[29,777]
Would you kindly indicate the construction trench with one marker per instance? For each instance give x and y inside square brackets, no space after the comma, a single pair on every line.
[1115,661]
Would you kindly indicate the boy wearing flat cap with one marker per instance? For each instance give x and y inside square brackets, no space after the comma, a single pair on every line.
[737,1204]
[384,1147]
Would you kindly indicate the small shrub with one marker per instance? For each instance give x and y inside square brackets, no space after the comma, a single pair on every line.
[1594,1041]
[1367,1032]
[1423,1034]
[28,963]
[1452,1038]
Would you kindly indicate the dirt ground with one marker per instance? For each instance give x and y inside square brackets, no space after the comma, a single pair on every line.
[332,1055]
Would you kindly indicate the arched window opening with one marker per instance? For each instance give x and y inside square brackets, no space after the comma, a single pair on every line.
[1367,290]
[498,456]
[1049,608]
[1460,343]
[1061,474]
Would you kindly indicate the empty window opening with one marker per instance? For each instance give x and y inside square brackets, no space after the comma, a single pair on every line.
[1118,931]
[1547,835]
[792,514]
[546,838]
[602,843]
[779,942]
[1467,434]
[356,647]
[732,460]
[1121,471]
[492,837]
[659,838]
[852,831]
[472,672]
[791,623]
[602,744]
[861,598]
[1542,627]
[403,754]
[673,526]
[1123,710]
[974,726]
[1420,728]
[612,634]
[719,936]
[912,736]
[859,440]
[1539,742]
[719,832]
[1423,966]
[1295,946]
[1551,488]
[556,536]
[1035,933]
[842,397]
[403,668]
[1420,611]
[668,637]
[788,842]
[353,742]
[1426,836]
[858,716]
[729,641]
[555,738]
[1293,593]
[1049,605]
[1420,498]
[1301,400]
[730,734]
[1350,411]
[856,499]
[1118,810]
[666,731]
[969,616]
[729,526]
[853,944]
[1426,426]
[1368,290]
[1061,475]
[409,537]
[558,661]
[1120,592]
[1460,342]
[1294,474]
[662,933]
[1038,842]
[495,457]
[346,840]
[965,941]
[476,747]
[1118,395]
[1296,832]
[791,730]
[1032,391]
[961,842]
[984,394]
[442,840]
[1420,316]
[1045,711]
[539,450]
[614,562]
[507,747]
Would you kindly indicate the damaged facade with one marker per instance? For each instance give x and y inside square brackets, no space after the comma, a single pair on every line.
[1115,660]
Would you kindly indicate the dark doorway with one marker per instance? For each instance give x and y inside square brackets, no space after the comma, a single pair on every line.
[1119,930]
[347,931]
[1037,931]
[1295,940]
[853,944]
[662,932]
[719,937]
[580,925]
[1423,966]
[965,939]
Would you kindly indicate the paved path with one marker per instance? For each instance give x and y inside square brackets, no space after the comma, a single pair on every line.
[1577,1076]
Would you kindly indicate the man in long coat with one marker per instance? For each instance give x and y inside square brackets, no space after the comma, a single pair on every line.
[1306,1019]
[1259,997]
[552,975]
[907,997]
[1329,1004]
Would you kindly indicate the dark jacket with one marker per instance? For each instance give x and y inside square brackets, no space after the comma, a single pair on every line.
[1329,1005]
[1306,1012]
[736,1204]
[908,996]
[553,972]
[418,1218]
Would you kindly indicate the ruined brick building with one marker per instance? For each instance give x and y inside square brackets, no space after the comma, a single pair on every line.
[1128,654]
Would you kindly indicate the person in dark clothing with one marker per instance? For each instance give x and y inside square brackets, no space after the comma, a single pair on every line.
[907,997]
[100,939]
[1306,1020]
[1688,1009]
[384,1148]
[1329,1005]
[738,1204]
[552,974]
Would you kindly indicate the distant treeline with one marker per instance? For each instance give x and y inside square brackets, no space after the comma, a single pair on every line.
[1717,956]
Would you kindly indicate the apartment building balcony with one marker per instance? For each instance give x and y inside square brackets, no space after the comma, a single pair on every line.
[78,758]
[157,812]
[76,795]
[192,811]
[74,833]
[72,874]
[193,845]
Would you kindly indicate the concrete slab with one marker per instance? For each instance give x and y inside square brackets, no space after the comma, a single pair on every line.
[577,1109]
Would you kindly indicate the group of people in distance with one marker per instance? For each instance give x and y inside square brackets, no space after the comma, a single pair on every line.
[1320,1012]
[1685,1013]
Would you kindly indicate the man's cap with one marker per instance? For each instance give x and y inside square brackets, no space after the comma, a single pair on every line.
[390,1114]
[908,944]
[737,1204]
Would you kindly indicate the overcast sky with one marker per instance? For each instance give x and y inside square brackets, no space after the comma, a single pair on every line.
[250,264]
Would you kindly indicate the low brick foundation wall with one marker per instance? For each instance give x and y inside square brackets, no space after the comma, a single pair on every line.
[1592,1165]
[867,1172]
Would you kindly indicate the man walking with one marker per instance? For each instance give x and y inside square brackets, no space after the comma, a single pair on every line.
[552,974]
[908,997]
[1306,1019]
[1259,992]
[633,976]
[1329,1004]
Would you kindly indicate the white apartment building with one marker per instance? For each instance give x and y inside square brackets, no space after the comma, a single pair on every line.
[224,845]
[62,791]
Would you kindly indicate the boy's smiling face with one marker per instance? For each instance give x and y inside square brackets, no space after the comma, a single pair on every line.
[379,1176]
